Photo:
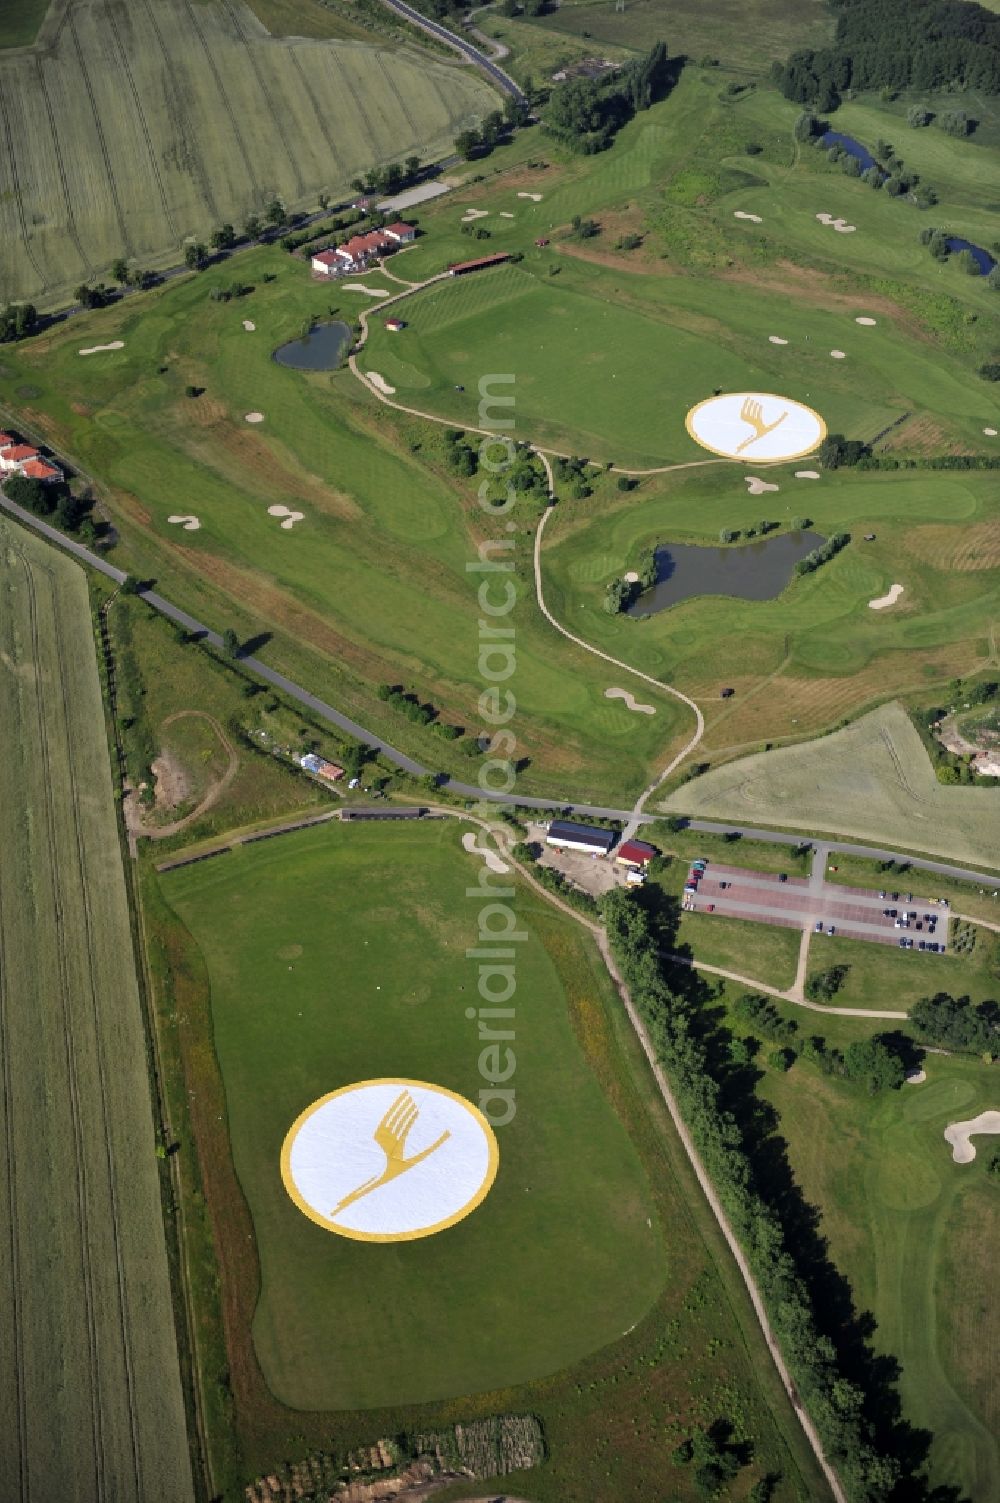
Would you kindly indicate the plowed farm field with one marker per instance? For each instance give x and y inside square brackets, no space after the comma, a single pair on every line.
[126,129]
[90,1405]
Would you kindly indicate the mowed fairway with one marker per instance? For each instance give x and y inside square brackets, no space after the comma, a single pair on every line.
[872,781]
[372,585]
[915,1234]
[130,127]
[338,956]
[817,652]
[90,1404]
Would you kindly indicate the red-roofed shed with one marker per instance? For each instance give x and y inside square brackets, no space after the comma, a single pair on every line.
[635,853]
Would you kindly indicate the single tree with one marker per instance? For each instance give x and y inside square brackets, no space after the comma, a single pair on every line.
[195,255]
[230,643]
[275,213]
[467,143]
[119,270]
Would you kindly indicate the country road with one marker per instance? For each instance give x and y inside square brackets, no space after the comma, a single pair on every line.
[408,764]
[435,29]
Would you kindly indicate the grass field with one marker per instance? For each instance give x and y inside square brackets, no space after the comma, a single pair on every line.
[569,1181]
[138,126]
[20,20]
[815,654]
[91,1405]
[880,976]
[872,781]
[531,1282]
[913,1232]
[386,540]
[740,35]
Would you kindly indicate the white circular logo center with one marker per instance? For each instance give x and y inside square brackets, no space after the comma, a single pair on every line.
[755,425]
[389,1160]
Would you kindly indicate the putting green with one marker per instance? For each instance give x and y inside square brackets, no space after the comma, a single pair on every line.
[531,1280]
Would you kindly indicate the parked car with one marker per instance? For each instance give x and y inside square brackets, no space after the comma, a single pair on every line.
[782,876]
[818,927]
[902,944]
[710,908]
[832,929]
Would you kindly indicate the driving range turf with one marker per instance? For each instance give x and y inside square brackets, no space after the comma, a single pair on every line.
[287,944]
[341,956]
[914,1233]
[91,1403]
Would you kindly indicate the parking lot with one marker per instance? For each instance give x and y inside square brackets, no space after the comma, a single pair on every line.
[812,903]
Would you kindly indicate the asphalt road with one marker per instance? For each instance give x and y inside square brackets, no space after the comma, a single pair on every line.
[474,55]
[408,764]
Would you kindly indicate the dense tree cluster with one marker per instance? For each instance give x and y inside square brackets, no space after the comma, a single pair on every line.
[897,44]
[17,321]
[957,1023]
[621,592]
[837,452]
[847,1394]
[587,113]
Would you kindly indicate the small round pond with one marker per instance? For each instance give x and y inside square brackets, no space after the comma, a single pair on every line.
[320,350]
[753,571]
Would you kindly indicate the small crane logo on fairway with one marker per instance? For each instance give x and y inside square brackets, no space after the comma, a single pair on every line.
[391,1135]
[753,413]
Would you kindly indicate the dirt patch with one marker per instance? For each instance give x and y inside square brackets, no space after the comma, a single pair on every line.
[591,874]
[172,784]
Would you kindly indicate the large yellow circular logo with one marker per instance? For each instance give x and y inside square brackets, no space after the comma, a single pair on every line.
[755,425]
[389,1160]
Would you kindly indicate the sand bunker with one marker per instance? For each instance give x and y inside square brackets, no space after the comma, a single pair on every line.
[916,1077]
[869,323]
[631,577]
[381,384]
[535,197]
[756,486]
[490,857]
[884,600]
[291,517]
[631,702]
[361,287]
[840,225]
[959,1133]
[990,432]
[190,524]
[837,355]
[776,339]
[505,215]
[254,417]
[753,218]
[471,214]
[249,325]
[807,474]
[95,349]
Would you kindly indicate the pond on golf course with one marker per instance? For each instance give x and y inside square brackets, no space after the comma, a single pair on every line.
[319,350]
[852,147]
[982,258]
[751,571]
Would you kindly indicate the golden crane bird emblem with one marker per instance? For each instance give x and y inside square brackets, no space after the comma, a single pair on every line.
[391,1135]
[752,413]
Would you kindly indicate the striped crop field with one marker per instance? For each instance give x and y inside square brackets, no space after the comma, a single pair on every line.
[90,1405]
[128,127]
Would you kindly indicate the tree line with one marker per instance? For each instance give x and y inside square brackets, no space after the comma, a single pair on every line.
[849,1392]
[896,44]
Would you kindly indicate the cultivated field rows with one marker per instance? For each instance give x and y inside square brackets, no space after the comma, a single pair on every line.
[139,125]
[90,1406]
